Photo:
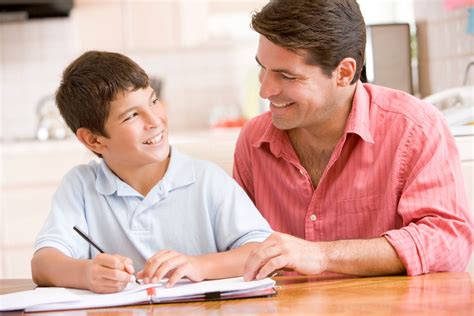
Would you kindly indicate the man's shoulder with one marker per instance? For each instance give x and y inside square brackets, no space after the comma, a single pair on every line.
[399,103]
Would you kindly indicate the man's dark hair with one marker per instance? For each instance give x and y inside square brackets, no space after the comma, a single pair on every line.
[90,83]
[326,31]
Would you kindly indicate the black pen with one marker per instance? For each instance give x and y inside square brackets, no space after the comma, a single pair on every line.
[90,241]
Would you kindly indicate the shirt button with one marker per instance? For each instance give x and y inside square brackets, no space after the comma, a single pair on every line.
[313,217]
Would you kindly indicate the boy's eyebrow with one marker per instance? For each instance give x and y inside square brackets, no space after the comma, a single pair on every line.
[152,94]
[123,113]
[286,71]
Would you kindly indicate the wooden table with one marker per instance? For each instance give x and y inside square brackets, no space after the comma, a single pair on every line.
[433,294]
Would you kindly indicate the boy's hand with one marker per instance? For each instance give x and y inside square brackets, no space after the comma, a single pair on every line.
[174,265]
[109,273]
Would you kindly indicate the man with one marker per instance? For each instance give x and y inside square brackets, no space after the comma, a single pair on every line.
[358,179]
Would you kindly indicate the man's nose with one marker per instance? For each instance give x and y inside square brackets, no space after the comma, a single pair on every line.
[268,87]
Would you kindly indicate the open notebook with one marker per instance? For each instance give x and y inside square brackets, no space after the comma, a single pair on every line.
[49,299]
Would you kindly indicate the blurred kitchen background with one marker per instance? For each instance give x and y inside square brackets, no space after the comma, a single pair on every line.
[203,53]
[201,56]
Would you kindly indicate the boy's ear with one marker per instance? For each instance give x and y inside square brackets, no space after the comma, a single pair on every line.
[92,141]
[345,71]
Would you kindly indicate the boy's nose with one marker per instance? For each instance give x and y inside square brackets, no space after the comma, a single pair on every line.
[152,120]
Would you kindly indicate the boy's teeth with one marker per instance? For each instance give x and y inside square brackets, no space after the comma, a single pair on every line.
[154,139]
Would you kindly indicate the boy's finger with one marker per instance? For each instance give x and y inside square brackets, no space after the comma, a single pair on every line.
[129,268]
[155,263]
[177,275]
[168,267]
[126,264]
[126,260]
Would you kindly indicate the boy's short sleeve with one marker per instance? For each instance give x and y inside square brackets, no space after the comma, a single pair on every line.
[67,211]
[237,220]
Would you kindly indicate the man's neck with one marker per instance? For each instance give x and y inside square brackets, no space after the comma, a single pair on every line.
[325,134]
[315,144]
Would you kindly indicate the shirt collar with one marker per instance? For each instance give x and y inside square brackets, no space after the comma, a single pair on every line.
[276,138]
[357,123]
[180,173]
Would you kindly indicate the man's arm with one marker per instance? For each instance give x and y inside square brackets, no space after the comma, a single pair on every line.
[104,274]
[356,257]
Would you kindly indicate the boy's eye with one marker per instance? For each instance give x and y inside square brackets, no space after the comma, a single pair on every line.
[129,117]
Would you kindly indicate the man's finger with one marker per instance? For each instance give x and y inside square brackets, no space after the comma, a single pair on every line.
[274,264]
[258,258]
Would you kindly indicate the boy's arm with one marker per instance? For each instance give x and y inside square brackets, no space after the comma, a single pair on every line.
[103,274]
[176,266]
[227,264]
[50,267]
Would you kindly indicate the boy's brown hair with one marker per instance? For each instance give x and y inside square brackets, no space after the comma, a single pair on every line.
[90,83]
[327,31]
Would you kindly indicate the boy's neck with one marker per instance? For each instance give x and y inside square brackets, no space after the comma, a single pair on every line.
[142,179]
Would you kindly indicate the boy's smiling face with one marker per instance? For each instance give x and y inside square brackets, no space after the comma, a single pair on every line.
[137,129]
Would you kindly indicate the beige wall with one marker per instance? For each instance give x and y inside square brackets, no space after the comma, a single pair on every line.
[444,47]
[203,68]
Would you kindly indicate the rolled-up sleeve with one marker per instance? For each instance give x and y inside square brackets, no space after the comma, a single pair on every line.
[437,228]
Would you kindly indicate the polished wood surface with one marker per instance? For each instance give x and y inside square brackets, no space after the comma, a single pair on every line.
[432,294]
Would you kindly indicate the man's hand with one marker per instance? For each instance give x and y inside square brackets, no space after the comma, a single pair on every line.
[174,265]
[282,251]
[109,273]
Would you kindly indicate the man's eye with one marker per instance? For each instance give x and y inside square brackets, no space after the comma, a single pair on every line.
[155,102]
[285,77]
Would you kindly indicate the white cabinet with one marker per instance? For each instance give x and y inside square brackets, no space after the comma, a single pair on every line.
[32,171]
[143,26]
[466,151]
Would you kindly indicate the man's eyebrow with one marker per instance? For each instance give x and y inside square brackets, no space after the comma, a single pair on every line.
[286,71]
[259,63]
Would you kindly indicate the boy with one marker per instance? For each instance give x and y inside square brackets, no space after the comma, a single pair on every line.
[151,208]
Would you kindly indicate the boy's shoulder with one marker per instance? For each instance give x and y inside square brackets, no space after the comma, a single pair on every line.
[187,163]
[83,173]
[184,166]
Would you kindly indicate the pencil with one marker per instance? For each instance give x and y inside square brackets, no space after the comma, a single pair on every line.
[93,244]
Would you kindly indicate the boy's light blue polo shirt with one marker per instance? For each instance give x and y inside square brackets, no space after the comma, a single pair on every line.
[195,209]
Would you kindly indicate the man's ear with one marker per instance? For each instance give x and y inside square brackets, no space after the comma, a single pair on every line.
[345,71]
[91,140]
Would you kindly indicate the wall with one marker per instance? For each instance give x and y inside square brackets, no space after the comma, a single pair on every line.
[203,65]
[444,47]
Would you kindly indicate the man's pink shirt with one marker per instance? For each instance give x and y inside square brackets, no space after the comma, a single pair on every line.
[395,172]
